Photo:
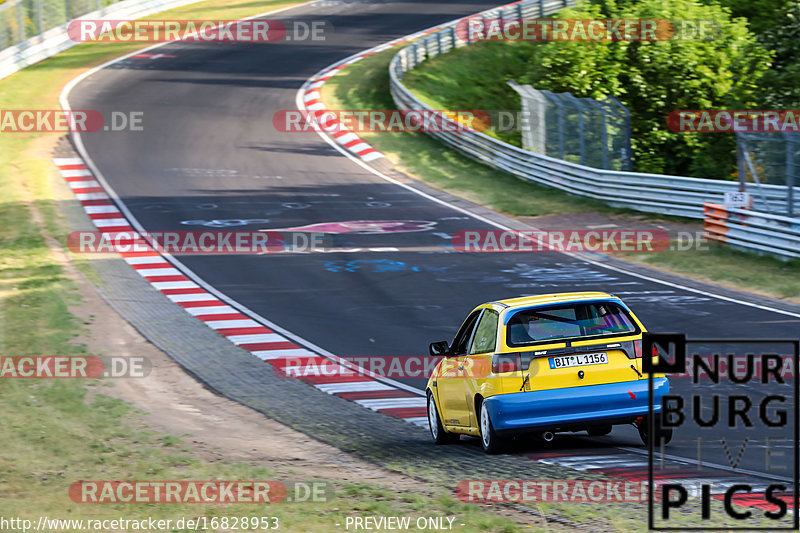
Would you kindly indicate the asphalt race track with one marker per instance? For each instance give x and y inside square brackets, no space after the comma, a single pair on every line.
[209,157]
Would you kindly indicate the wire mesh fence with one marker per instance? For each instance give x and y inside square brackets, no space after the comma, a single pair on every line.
[22,19]
[770,159]
[594,133]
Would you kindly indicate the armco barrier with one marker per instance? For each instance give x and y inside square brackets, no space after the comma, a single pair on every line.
[57,40]
[652,193]
[752,230]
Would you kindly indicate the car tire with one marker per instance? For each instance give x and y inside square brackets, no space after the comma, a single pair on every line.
[440,436]
[661,434]
[490,441]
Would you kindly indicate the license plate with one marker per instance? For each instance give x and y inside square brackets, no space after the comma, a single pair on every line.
[580,359]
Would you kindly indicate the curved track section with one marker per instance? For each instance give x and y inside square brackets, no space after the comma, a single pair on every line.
[210,157]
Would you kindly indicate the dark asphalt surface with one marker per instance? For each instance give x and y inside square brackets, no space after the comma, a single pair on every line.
[209,153]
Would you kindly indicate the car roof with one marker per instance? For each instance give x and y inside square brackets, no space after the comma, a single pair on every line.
[542,299]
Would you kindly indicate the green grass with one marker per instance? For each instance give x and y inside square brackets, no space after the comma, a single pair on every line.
[59,432]
[475,77]
[365,85]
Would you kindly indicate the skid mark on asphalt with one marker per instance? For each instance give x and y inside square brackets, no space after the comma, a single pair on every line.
[524,275]
[225,223]
[376,265]
[365,227]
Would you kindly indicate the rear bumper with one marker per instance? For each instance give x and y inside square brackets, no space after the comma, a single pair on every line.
[574,407]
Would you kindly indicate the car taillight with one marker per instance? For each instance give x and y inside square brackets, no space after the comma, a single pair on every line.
[506,362]
[637,349]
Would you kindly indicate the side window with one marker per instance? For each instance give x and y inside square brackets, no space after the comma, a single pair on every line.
[485,333]
[464,334]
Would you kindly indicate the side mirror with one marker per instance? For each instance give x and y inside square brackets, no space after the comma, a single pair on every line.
[439,348]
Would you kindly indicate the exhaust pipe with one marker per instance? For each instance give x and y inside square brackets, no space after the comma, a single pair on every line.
[548,436]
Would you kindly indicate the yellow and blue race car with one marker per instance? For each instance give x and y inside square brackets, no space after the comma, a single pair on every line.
[543,364]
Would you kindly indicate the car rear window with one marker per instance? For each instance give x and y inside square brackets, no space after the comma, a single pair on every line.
[568,321]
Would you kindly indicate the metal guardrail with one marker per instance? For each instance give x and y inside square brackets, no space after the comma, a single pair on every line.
[652,193]
[22,19]
[752,230]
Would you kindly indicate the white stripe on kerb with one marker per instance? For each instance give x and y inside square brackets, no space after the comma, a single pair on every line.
[234,323]
[147,260]
[64,161]
[254,338]
[110,222]
[82,184]
[196,297]
[74,173]
[392,403]
[162,285]
[372,156]
[151,272]
[94,209]
[91,196]
[268,355]
[353,386]
[211,310]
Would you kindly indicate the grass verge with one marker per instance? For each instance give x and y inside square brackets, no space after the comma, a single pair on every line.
[467,78]
[365,85]
[56,432]
[62,431]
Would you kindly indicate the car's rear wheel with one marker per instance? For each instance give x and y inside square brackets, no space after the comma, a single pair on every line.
[662,435]
[490,442]
[440,436]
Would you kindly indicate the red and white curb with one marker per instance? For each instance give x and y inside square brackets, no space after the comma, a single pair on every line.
[369,390]
[312,103]
[310,100]
[337,377]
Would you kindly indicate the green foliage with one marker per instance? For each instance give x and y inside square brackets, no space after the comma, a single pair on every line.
[761,15]
[781,84]
[655,78]
[475,78]
[650,78]
[776,24]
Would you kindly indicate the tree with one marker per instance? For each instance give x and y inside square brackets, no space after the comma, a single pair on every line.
[720,71]
[781,84]
[761,15]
